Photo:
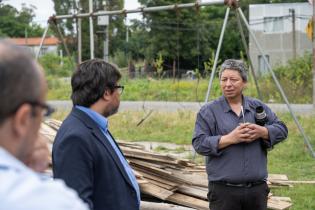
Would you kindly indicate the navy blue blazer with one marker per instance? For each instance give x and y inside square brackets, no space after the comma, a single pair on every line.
[85,160]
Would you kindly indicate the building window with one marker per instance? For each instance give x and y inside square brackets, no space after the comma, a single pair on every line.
[43,51]
[273,24]
[262,65]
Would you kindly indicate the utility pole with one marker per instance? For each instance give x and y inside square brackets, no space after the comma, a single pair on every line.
[313,53]
[91,30]
[292,11]
[26,37]
[79,33]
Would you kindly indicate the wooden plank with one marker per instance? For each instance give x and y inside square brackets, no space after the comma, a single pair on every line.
[161,175]
[146,163]
[294,182]
[151,168]
[191,178]
[163,185]
[158,179]
[130,145]
[192,191]
[161,206]
[188,201]
[278,198]
[156,191]
[277,204]
[48,132]
[54,124]
[282,177]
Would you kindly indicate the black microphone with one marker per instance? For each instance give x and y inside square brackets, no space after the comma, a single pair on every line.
[260,116]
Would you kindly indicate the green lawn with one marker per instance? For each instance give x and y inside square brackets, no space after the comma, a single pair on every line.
[289,157]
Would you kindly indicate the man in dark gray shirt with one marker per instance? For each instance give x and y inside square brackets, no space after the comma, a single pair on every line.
[236,146]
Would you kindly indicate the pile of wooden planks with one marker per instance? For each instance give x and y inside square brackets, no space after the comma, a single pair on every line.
[170,179]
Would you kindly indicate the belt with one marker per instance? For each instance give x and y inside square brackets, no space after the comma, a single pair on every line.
[244,184]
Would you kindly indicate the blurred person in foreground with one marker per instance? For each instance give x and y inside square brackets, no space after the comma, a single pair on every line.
[85,154]
[22,93]
[236,147]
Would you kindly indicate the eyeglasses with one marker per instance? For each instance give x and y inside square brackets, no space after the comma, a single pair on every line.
[47,110]
[120,88]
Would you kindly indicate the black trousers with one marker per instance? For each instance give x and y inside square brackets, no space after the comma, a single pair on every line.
[223,197]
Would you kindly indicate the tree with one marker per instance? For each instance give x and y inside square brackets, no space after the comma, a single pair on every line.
[14,23]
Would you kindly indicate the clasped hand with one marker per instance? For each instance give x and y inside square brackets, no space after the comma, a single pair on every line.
[248,132]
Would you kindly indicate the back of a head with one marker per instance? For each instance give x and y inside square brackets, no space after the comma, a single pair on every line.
[234,64]
[90,79]
[19,79]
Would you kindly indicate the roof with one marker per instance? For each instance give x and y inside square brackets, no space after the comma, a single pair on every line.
[34,41]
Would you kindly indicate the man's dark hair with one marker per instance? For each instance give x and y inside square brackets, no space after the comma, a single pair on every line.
[19,79]
[91,79]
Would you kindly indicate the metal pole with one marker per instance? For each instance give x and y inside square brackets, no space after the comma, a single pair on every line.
[42,41]
[313,53]
[106,43]
[292,11]
[141,9]
[306,141]
[79,32]
[91,29]
[217,53]
[247,53]
[63,41]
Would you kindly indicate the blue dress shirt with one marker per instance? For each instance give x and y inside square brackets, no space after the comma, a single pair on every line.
[102,123]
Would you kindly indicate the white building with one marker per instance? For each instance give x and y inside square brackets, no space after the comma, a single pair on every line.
[272,25]
[50,44]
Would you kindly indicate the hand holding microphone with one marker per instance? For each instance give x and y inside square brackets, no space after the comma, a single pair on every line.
[256,131]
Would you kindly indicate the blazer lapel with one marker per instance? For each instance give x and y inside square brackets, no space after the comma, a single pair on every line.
[104,141]
[100,137]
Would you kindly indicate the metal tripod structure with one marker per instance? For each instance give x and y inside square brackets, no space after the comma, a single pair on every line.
[240,16]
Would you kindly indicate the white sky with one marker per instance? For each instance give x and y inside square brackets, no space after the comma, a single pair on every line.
[45,8]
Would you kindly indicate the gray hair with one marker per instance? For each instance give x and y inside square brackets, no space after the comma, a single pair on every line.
[237,65]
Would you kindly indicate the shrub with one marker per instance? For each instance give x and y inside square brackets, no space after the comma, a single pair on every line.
[295,79]
[53,67]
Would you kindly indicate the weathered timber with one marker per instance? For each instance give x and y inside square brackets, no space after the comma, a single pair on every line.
[192,191]
[189,201]
[161,206]
[156,191]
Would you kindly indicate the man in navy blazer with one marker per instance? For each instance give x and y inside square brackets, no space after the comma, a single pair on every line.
[85,154]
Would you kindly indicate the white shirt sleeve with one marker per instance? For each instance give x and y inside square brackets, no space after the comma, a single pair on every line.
[26,191]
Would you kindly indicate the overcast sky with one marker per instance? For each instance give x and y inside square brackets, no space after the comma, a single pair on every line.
[45,8]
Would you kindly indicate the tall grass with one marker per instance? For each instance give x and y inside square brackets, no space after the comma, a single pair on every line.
[151,90]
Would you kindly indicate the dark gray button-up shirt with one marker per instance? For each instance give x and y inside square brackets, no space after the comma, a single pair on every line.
[237,163]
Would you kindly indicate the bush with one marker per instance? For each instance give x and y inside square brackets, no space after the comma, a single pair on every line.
[295,79]
[120,59]
[52,65]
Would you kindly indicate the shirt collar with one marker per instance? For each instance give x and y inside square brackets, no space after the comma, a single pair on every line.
[8,160]
[226,106]
[100,120]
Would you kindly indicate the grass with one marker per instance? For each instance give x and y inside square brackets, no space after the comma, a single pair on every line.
[180,90]
[289,157]
[150,90]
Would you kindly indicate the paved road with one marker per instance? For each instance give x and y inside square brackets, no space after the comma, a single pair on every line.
[175,106]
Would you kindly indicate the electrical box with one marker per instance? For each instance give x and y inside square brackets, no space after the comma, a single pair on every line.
[103,20]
